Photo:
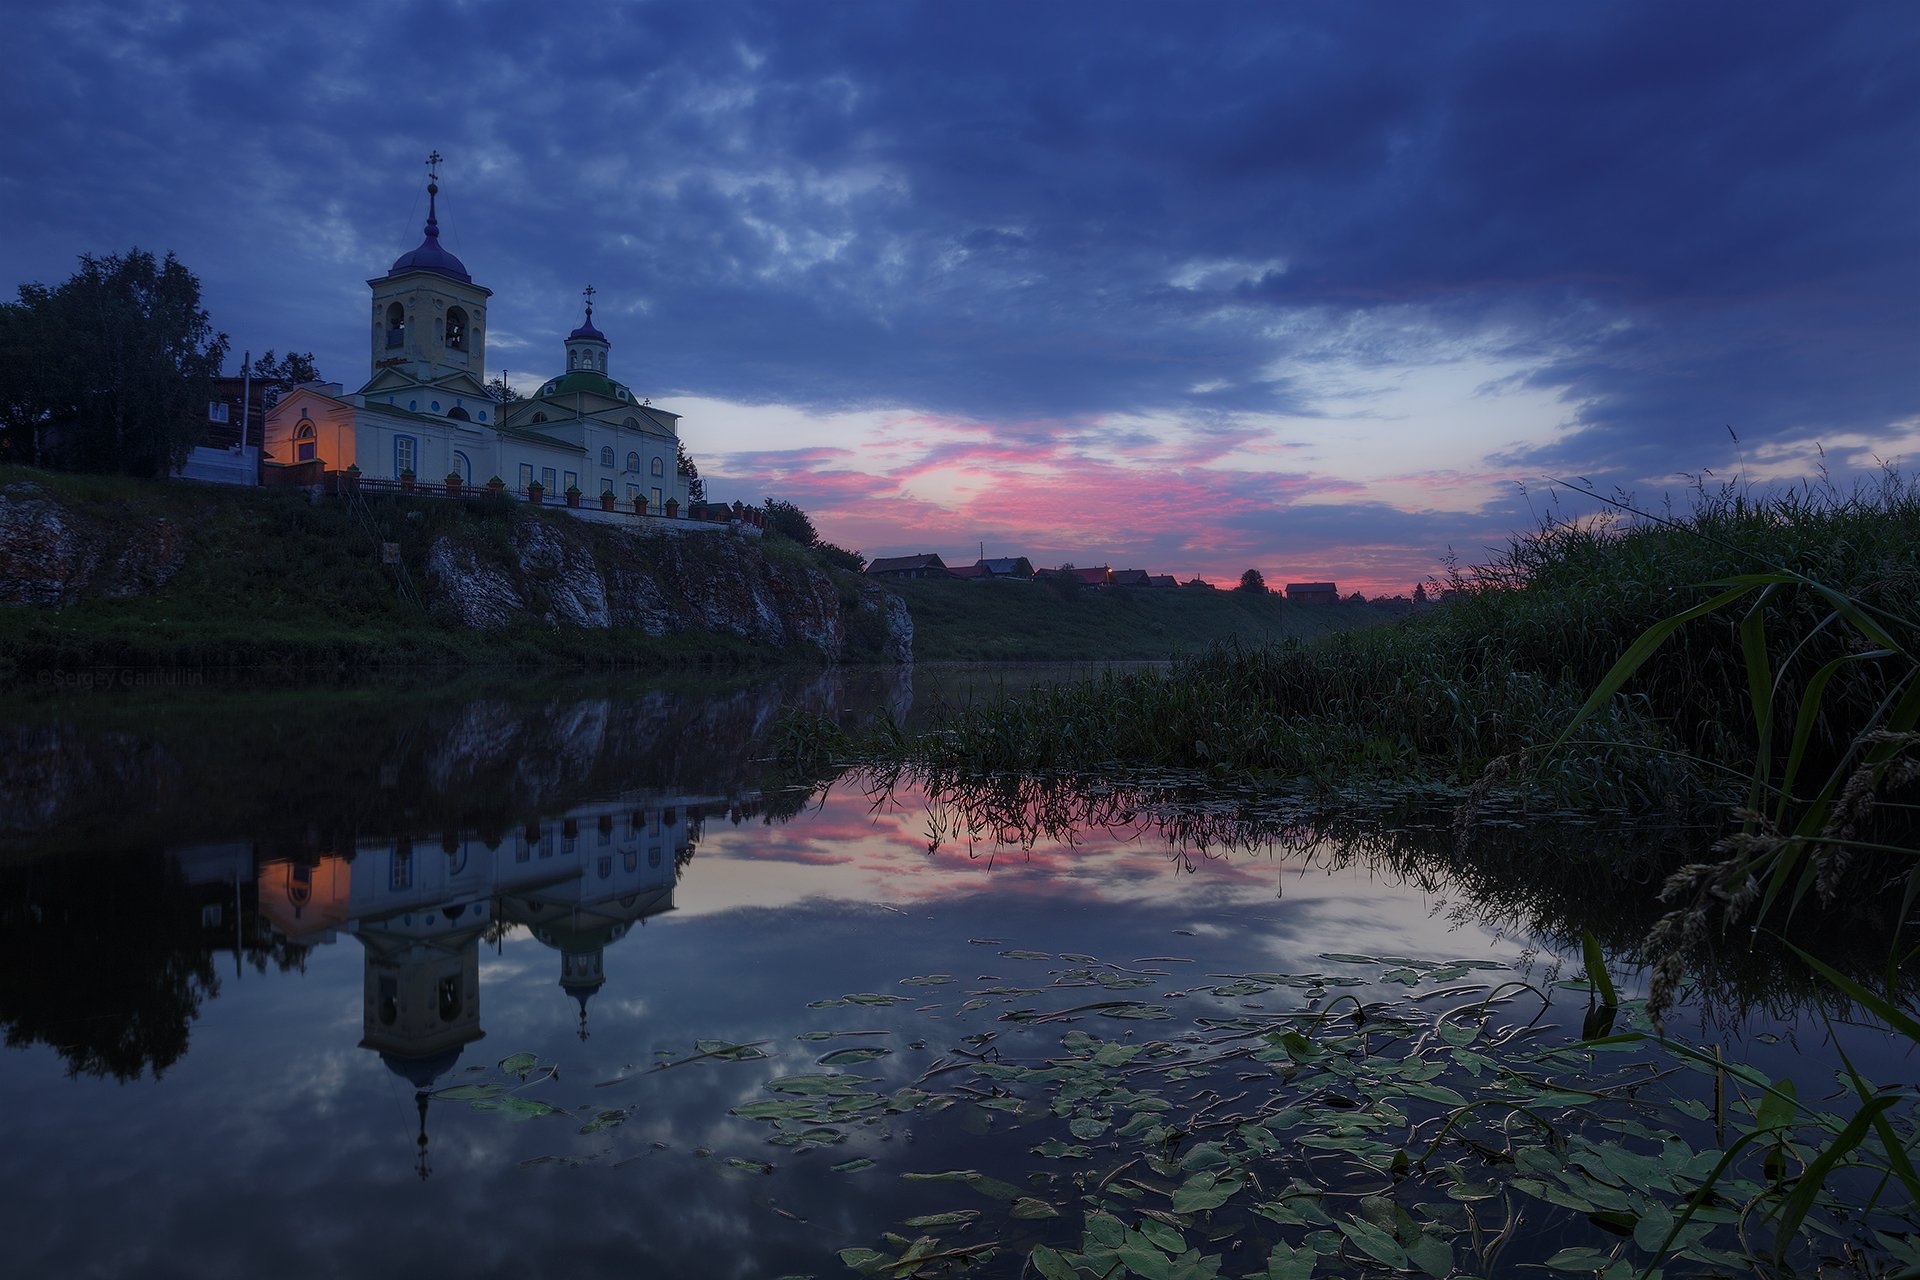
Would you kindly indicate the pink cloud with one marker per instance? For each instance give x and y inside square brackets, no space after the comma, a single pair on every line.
[1132,498]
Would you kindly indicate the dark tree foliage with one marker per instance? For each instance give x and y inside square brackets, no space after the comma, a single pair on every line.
[103,960]
[841,558]
[275,377]
[112,370]
[696,487]
[1253,580]
[790,521]
[501,391]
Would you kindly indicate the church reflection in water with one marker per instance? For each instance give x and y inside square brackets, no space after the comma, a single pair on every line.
[578,883]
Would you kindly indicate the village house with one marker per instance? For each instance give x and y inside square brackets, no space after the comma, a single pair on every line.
[1095,578]
[1313,592]
[928,565]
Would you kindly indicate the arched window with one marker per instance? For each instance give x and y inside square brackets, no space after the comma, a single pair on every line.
[573,359]
[632,423]
[448,996]
[658,467]
[539,417]
[606,455]
[464,467]
[304,442]
[459,413]
[633,462]
[603,362]
[456,329]
[396,326]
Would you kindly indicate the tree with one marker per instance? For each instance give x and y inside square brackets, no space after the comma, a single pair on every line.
[277,377]
[790,521]
[696,487]
[841,558]
[112,371]
[501,391]
[1253,581]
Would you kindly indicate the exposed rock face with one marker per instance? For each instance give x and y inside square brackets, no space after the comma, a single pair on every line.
[574,574]
[53,555]
[557,570]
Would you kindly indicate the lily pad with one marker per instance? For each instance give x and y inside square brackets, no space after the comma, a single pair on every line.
[847,1057]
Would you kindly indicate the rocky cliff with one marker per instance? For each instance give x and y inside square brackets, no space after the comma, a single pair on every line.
[250,561]
[566,572]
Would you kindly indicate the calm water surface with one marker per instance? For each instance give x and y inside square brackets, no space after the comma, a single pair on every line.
[416,980]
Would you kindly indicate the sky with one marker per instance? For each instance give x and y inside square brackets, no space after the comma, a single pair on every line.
[1334,291]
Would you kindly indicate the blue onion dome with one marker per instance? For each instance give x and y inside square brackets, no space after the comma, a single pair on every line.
[586,330]
[430,256]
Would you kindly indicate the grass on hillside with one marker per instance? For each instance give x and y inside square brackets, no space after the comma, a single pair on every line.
[272,579]
[1506,666]
[1035,622]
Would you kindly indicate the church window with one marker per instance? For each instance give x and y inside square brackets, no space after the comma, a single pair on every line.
[389,1006]
[463,466]
[546,480]
[630,860]
[605,867]
[606,455]
[633,462]
[656,499]
[456,329]
[400,872]
[483,415]
[659,468]
[573,359]
[303,440]
[436,406]
[448,993]
[405,451]
[572,479]
[539,417]
[396,326]
[459,414]
[632,423]
[413,406]
[526,475]
[653,856]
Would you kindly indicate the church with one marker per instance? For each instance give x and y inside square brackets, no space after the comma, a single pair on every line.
[425,411]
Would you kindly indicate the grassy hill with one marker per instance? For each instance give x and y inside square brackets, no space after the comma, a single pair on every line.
[1027,621]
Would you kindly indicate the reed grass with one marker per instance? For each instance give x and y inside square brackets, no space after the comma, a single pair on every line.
[1513,657]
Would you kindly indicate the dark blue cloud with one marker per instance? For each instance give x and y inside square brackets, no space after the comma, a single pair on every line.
[1677,216]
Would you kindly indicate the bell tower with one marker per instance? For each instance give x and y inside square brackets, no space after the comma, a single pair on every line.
[429,317]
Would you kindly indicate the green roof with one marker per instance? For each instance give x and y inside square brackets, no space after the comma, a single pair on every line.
[586,380]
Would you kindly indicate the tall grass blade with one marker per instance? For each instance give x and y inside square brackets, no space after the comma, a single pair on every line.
[1637,654]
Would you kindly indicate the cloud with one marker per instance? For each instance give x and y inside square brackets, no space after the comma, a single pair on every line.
[1641,221]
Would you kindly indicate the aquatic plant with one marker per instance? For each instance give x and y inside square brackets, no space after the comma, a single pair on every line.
[1375,1113]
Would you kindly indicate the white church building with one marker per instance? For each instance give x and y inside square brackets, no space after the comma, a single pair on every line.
[425,412]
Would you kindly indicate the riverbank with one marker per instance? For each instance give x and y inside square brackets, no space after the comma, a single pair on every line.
[1015,621]
[110,572]
[1749,670]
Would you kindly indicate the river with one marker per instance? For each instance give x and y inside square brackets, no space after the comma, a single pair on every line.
[509,976]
